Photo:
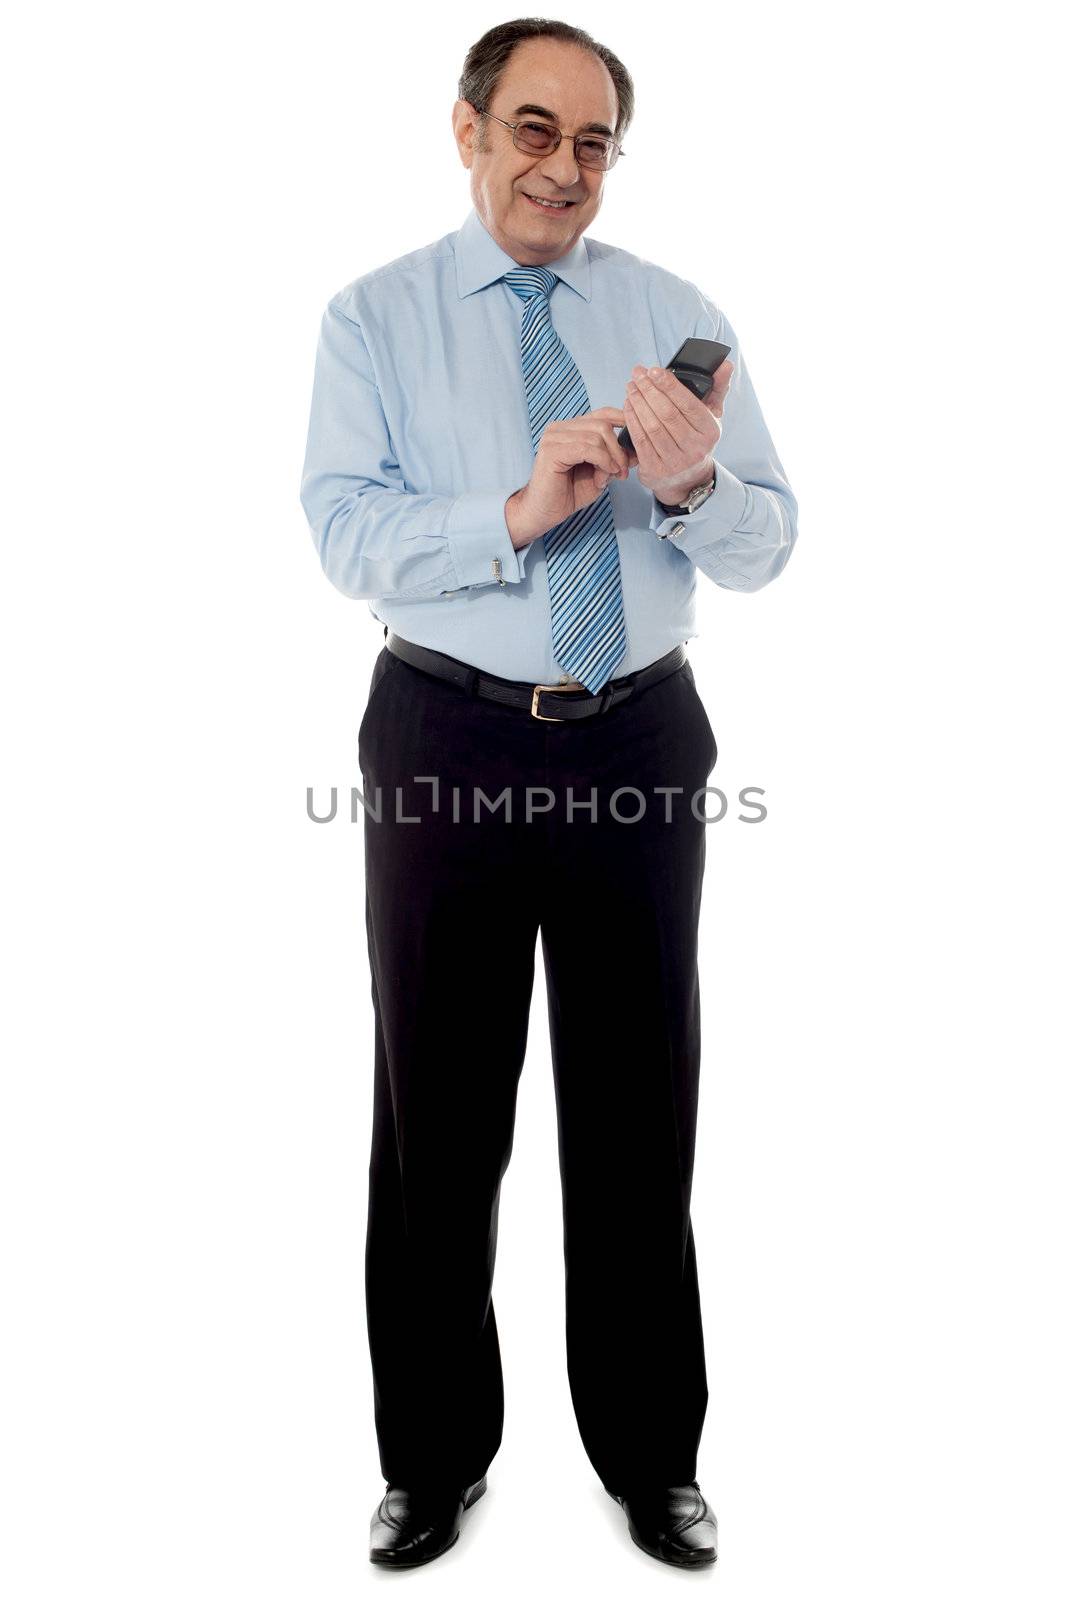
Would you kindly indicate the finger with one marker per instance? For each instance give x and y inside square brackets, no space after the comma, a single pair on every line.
[575,444]
[715,400]
[609,456]
[610,414]
[663,415]
[650,407]
[647,456]
[615,447]
[668,384]
[603,472]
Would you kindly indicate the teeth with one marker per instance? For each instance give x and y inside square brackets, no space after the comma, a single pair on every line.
[552,205]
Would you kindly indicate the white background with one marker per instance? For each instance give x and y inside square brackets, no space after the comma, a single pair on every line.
[870,197]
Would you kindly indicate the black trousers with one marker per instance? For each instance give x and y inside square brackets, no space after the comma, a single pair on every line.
[453,909]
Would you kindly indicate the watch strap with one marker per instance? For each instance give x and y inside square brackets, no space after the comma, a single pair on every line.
[697,494]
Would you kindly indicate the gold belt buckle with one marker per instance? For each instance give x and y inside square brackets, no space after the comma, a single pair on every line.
[551,688]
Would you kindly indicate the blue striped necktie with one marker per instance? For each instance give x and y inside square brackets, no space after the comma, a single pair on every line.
[583,568]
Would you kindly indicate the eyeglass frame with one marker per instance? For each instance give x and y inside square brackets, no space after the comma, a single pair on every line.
[559,136]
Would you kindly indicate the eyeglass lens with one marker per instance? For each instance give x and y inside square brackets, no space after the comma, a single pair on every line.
[589,150]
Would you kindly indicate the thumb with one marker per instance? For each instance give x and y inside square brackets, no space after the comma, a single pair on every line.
[715,396]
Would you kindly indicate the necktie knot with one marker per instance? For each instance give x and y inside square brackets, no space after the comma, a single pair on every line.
[527,281]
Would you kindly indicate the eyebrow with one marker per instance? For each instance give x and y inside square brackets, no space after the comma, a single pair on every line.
[542,111]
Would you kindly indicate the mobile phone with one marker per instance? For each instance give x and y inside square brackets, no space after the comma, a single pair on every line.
[694,364]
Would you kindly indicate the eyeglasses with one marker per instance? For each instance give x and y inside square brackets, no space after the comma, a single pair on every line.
[537,139]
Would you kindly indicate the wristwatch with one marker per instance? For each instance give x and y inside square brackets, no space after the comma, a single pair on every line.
[695,499]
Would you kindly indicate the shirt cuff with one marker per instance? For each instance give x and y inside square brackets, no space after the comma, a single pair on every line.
[710,524]
[478,536]
[714,519]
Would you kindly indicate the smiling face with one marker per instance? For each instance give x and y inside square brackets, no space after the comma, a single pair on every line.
[549,81]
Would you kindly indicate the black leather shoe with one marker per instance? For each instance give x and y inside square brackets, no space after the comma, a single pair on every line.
[410,1527]
[674,1525]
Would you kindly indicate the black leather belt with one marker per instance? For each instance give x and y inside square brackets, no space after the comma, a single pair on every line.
[564,702]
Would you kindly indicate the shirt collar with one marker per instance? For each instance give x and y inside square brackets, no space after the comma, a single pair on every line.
[480,261]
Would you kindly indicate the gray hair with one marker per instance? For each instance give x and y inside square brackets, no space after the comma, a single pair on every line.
[485,61]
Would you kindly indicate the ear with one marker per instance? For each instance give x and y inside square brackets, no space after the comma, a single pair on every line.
[464,124]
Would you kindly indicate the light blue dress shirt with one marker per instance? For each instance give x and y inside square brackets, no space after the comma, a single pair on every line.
[419,433]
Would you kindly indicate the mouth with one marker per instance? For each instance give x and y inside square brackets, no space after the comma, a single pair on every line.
[549,208]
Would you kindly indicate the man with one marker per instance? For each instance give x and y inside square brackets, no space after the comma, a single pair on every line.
[464,473]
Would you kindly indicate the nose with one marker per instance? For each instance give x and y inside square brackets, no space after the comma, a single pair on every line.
[562,166]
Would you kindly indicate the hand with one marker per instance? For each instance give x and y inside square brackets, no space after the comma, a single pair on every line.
[674,432]
[576,458]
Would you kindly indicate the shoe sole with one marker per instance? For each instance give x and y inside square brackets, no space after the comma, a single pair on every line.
[672,1561]
[421,1561]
